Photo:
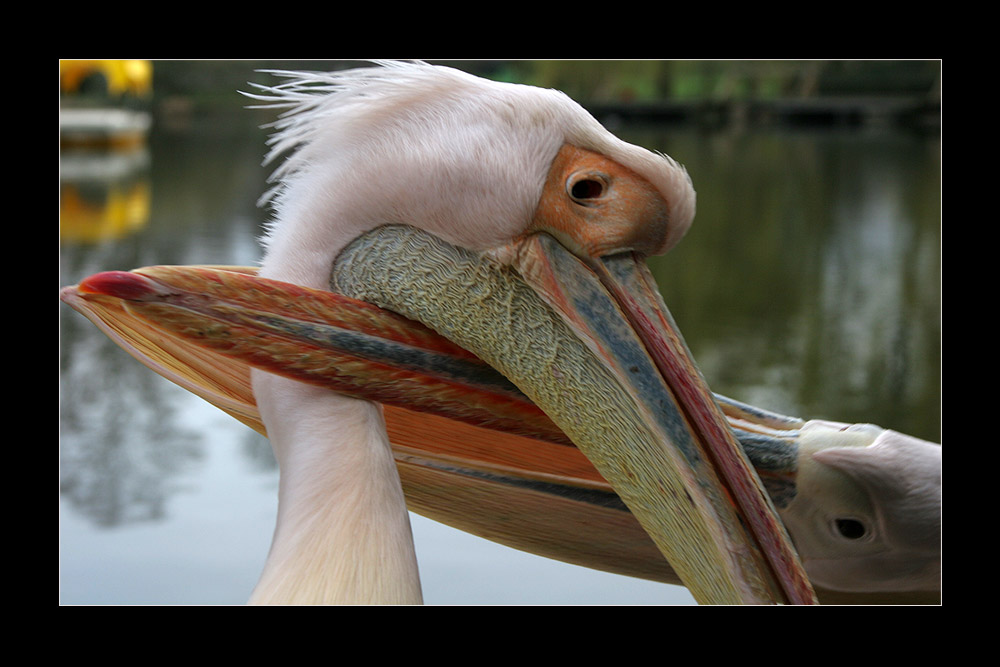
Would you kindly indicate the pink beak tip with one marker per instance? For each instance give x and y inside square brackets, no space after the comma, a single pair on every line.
[121,284]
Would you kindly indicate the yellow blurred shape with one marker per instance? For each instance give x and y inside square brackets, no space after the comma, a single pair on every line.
[124,209]
[122,76]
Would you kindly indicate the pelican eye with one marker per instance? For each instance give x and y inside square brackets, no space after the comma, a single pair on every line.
[586,188]
[851,529]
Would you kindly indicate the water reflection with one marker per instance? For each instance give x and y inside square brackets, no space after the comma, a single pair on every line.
[809,284]
[103,194]
[122,439]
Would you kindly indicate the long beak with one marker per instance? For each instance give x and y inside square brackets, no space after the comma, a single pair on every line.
[253,319]
[534,492]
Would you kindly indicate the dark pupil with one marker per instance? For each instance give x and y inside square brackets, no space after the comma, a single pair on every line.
[852,529]
[586,189]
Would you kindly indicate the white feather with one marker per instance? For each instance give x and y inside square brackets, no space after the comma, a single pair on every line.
[459,156]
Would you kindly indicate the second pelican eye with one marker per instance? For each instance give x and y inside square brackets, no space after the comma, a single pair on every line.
[852,529]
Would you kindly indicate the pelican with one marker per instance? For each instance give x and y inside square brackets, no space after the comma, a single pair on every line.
[504,217]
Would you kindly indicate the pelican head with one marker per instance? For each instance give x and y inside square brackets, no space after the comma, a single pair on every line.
[463,158]
[507,219]
[872,517]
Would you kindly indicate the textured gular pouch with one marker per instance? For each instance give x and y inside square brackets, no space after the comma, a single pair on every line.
[550,324]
